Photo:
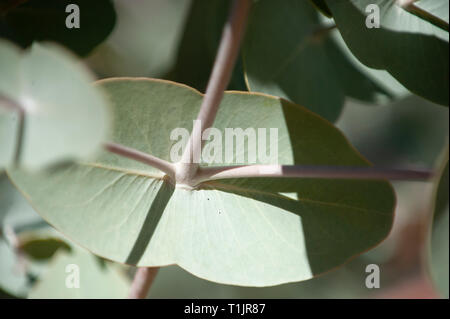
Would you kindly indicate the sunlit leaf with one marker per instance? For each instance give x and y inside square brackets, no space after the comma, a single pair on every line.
[241,231]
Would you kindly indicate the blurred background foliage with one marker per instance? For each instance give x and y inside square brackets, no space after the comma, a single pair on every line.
[154,39]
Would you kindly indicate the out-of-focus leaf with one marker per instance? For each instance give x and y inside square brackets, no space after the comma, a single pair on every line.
[45,20]
[410,132]
[412,47]
[65,116]
[97,278]
[144,41]
[290,54]
[439,254]
[42,248]
[235,231]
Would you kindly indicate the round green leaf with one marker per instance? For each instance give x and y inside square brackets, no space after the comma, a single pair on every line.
[412,47]
[289,54]
[38,20]
[65,116]
[255,232]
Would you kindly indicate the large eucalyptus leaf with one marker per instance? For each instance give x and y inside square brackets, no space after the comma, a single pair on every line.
[439,257]
[412,47]
[289,54]
[65,116]
[36,20]
[255,232]
[97,278]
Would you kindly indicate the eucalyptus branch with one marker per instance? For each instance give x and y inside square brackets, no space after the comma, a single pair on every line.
[142,282]
[296,171]
[218,82]
[142,157]
[412,8]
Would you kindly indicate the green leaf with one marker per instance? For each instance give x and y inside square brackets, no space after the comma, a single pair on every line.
[321,5]
[199,44]
[439,256]
[37,20]
[97,278]
[242,232]
[410,46]
[361,82]
[290,55]
[65,116]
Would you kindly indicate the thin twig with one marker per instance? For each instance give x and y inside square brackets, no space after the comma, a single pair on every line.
[338,172]
[218,82]
[142,281]
[142,157]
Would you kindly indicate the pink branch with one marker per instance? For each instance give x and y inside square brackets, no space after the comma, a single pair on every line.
[142,157]
[142,281]
[218,82]
[299,171]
